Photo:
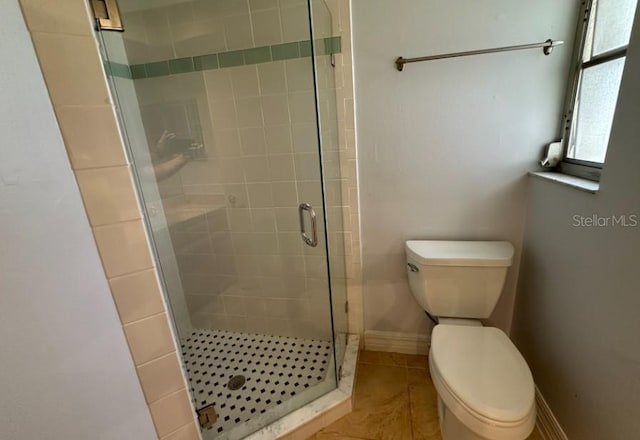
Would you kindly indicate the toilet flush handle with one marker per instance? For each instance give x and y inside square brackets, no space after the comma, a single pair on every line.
[413,267]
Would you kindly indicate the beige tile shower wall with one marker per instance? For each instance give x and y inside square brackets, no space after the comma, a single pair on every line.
[66,48]
[263,160]
[200,27]
[241,260]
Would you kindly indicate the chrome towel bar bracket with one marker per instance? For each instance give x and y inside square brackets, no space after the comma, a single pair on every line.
[547,48]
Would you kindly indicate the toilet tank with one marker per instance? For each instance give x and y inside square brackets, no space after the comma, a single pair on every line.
[458,279]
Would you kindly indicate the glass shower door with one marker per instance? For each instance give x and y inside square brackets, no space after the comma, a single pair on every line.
[218,103]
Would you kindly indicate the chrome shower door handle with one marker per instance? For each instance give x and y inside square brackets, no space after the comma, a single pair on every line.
[313,240]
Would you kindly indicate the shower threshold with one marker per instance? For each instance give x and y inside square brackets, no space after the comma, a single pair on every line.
[278,372]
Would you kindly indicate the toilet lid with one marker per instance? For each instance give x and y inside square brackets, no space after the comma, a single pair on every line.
[484,370]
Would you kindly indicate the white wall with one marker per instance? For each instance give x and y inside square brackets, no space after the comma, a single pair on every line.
[66,372]
[445,145]
[576,319]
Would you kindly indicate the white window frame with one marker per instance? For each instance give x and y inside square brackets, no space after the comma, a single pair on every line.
[575,167]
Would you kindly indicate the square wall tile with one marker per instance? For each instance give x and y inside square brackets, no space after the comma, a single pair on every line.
[194,38]
[266,27]
[284,194]
[108,195]
[302,107]
[67,17]
[179,14]
[161,377]
[257,5]
[263,220]
[137,295]
[281,167]
[149,338]
[223,114]
[256,168]
[272,78]
[253,141]
[227,143]
[237,30]
[218,84]
[240,220]
[287,219]
[275,109]
[232,169]
[278,139]
[260,195]
[249,112]
[196,264]
[187,432]
[295,23]
[171,412]
[245,81]
[91,136]
[72,69]
[308,165]
[123,248]
[299,75]
[290,243]
[236,194]
[304,137]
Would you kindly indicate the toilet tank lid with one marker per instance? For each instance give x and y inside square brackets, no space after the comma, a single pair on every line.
[460,253]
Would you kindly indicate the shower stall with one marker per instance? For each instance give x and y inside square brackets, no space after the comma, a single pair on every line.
[228,111]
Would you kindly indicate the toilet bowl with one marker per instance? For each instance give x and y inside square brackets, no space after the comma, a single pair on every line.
[485,388]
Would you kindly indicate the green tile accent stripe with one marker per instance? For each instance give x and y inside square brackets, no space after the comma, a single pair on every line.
[138,71]
[181,65]
[159,68]
[116,69]
[255,55]
[287,51]
[231,59]
[205,62]
[305,48]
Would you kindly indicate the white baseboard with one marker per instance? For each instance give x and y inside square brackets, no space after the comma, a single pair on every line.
[408,343]
[546,422]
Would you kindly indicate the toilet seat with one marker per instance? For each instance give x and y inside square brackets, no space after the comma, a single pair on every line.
[484,380]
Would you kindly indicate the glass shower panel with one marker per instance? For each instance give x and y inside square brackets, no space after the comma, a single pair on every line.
[326,50]
[218,102]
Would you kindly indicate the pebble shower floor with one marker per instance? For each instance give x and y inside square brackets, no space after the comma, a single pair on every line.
[276,368]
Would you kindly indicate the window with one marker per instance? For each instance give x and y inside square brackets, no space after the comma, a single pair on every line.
[601,47]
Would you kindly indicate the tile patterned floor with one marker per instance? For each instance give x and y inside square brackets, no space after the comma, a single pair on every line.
[276,368]
[394,400]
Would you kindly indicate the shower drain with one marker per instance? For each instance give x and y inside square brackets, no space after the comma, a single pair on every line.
[236,382]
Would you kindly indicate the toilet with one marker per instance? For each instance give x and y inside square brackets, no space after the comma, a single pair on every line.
[485,388]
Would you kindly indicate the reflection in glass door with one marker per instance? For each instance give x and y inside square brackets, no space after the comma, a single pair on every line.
[228,111]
